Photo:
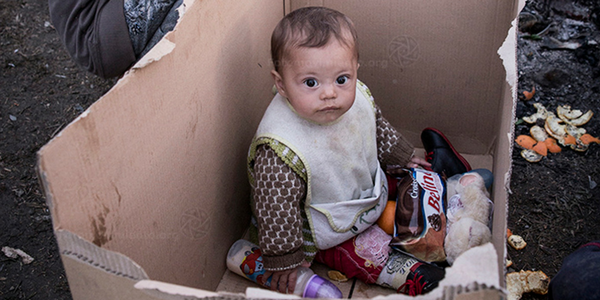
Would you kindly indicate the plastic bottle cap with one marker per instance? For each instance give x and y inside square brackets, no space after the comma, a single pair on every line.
[318,287]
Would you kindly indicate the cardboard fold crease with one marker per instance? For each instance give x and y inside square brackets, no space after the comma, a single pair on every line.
[109,261]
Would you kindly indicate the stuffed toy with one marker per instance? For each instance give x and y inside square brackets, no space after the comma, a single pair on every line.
[468,215]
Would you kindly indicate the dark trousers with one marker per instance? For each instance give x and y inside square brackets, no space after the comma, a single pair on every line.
[579,275]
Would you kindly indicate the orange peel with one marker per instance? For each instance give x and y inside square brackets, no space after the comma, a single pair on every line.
[528,95]
[588,139]
[525,141]
[541,113]
[581,120]
[570,140]
[552,145]
[538,133]
[575,131]
[554,127]
[566,113]
[540,148]
[574,117]
[531,156]
[580,147]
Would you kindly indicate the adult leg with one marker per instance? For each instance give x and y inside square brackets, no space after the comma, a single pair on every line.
[148,21]
[579,275]
[95,34]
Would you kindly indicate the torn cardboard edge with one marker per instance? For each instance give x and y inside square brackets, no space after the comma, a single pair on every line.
[160,50]
[164,46]
[508,52]
[508,55]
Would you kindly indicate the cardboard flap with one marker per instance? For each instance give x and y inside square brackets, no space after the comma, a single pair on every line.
[164,290]
[118,264]
[475,265]
[156,169]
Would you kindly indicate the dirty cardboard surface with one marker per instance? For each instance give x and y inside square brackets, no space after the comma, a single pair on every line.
[155,170]
[414,59]
[152,164]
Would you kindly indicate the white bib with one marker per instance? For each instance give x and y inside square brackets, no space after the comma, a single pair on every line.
[346,188]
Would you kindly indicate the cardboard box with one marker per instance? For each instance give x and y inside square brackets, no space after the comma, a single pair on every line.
[148,187]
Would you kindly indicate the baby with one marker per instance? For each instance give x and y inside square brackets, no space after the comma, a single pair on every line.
[316,164]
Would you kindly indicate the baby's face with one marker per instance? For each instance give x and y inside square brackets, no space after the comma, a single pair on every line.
[319,83]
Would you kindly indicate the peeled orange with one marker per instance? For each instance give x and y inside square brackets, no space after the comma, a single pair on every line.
[386,220]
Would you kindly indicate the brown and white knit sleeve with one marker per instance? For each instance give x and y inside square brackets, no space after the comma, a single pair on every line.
[392,148]
[277,194]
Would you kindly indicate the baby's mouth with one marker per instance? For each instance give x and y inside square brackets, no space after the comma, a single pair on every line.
[329,109]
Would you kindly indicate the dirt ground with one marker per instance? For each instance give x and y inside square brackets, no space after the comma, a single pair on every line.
[554,204]
[41,91]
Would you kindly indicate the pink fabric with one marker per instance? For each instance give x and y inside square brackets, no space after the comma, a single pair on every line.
[363,256]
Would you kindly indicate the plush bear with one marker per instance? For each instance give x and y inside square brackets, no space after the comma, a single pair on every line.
[469,211]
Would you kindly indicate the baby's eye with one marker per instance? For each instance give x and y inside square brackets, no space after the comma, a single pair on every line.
[310,82]
[342,79]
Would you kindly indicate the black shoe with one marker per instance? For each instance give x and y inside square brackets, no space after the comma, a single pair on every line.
[441,155]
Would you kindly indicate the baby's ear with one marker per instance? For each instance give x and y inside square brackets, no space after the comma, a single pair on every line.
[279,83]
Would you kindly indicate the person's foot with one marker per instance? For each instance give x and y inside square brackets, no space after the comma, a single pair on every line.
[443,157]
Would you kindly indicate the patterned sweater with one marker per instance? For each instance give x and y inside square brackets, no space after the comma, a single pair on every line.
[280,226]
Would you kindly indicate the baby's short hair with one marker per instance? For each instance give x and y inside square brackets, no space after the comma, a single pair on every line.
[311,27]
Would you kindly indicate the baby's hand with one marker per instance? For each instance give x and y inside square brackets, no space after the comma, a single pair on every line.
[416,162]
[285,281]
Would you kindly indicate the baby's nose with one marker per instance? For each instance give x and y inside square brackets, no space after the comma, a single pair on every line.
[328,92]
